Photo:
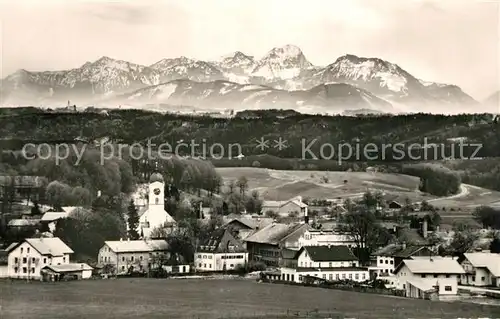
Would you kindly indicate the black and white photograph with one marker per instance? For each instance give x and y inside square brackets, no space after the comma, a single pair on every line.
[249,159]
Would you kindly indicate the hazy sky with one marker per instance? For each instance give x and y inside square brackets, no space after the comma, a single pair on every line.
[444,41]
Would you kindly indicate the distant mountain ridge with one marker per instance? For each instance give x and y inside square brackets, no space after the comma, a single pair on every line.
[283,77]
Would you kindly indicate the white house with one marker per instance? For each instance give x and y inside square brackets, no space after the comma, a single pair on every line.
[29,256]
[427,277]
[315,237]
[385,260]
[481,269]
[155,215]
[285,208]
[332,263]
[220,252]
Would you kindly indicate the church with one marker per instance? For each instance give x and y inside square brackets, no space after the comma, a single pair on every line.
[155,215]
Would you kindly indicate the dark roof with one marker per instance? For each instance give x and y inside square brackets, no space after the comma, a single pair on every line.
[399,251]
[221,240]
[332,253]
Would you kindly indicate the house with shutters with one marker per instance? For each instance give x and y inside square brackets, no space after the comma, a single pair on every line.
[331,263]
[481,269]
[385,260]
[221,251]
[27,258]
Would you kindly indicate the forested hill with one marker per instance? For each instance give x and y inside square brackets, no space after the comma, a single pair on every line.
[130,126]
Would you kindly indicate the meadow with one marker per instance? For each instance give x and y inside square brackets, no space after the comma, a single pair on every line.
[282,185]
[192,298]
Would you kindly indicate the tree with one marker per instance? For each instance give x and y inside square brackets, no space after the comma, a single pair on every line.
[426,207]
[58,194]
[242,184]
[253,204]
[488,217]
[133,221]
[463,241]
[272,214]
[231,186]
[495,245]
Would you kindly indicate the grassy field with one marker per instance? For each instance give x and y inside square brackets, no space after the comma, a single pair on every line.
[189,298]
[282,185]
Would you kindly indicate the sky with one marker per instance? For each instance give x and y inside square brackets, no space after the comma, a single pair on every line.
[447,41]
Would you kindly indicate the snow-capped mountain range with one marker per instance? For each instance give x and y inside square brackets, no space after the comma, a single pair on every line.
[283,77]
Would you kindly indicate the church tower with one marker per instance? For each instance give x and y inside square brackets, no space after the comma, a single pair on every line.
[156,194]
[155,216]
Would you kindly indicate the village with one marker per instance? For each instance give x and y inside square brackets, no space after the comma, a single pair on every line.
[285,244]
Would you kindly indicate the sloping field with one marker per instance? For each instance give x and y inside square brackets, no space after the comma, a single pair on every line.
[191,298]
[282,185]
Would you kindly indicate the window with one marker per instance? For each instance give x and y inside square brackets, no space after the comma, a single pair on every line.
[435,276]
[33,260]
[204,265]
[131,258]
[25,270]
[447,276]
[123,258]
[423,276]
[45,260]
[199,265]
[16,270]
[310,264]
[356,276]
[324,276]
[330,265]
[102,259]
[300,277]
[123,268]
[330,277]
[482,278]
[392,262]
[337,276]
[343,276]
[21,250]
[447,288]
[363,276]
[386,261]
[64,259]
[28,250]
[209,265]
[140,258]
[231,265]
[24,260]
[16,260]
[350,276]
[32,270]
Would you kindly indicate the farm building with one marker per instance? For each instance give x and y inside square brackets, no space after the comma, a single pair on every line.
[245,226]
[265,245]
[425,278]
[220,252]
[315,237]
[66,271]
[287,207]
[481,269]
[126,255]
[332,263]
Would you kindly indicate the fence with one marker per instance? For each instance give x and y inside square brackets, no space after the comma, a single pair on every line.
[354,288]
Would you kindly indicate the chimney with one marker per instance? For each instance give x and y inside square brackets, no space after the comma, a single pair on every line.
[424,228]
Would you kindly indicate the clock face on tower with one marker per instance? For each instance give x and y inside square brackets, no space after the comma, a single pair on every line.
[156,191]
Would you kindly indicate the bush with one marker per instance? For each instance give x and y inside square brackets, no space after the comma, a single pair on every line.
[256,266]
